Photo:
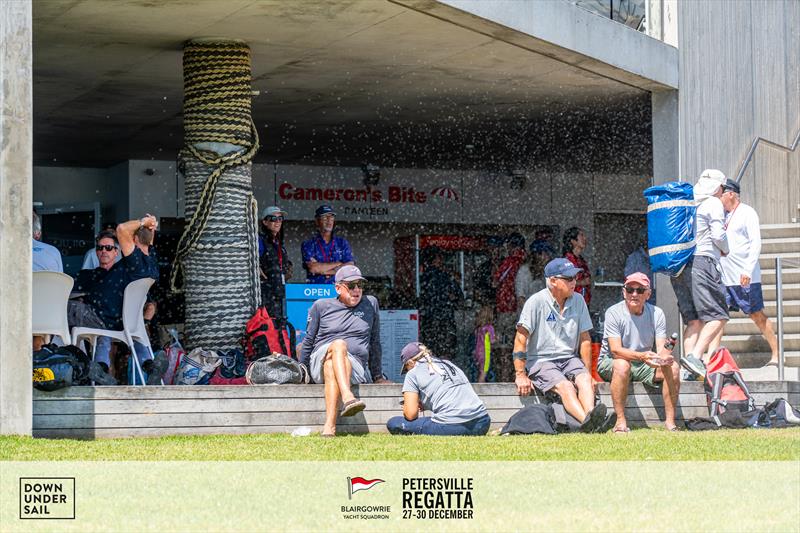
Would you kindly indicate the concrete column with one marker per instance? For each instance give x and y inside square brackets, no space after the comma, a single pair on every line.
[666,167]
[16,146]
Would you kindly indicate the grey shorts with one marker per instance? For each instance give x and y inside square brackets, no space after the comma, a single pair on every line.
[682,285]
[708,292]
[358,374]
[547,374]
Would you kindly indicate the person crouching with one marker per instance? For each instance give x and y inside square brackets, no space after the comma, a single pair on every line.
[439,386]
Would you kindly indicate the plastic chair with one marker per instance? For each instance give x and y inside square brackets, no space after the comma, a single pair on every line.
[132,323]
[49,304]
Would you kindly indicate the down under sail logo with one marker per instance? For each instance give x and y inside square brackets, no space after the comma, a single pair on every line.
[355,484]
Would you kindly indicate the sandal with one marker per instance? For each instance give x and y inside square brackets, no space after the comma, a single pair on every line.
[673,428]
[622,430]
[352,407]
[327,435]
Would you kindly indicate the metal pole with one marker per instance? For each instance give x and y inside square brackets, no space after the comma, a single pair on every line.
[680,335]
[779,306]
[416,262]
[461,260]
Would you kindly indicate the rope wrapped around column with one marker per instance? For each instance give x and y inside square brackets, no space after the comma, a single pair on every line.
[218,251]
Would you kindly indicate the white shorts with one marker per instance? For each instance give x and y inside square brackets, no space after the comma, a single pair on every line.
[358,375]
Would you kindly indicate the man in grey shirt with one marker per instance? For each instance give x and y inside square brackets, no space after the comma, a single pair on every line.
[552,330]
[343,345]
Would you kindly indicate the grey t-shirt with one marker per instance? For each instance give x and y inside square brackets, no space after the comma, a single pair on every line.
[449,394]
[359,326]
[637,332]
[553,336]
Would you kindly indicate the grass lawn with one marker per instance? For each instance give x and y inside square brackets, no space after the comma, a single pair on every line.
[639,445]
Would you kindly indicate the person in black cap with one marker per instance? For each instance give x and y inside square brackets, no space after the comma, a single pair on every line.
[325,253]
[437,385]
[343,345]
[553,350]
[741,273]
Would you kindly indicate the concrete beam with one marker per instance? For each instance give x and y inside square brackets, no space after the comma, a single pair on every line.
[16,150]
[568,33]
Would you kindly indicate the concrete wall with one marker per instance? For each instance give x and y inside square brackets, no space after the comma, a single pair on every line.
[740,72]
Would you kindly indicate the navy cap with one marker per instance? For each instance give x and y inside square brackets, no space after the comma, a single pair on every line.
[348,273]
[731,185]
[410,350]
[323,210]
[561,267]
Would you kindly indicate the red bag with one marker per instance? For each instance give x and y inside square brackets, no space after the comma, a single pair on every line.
[725,388]
[218,379]
[263,338]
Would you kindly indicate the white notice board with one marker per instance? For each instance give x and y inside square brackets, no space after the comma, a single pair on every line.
[398,328]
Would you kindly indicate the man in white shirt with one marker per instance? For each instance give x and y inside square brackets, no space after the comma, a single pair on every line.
[45,256]
[741,272]
[708,292]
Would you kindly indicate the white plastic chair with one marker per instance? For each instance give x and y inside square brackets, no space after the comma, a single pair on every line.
[132,323]
[49,304]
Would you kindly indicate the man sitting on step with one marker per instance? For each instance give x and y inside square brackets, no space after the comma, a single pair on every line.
[342,345]
[633,329]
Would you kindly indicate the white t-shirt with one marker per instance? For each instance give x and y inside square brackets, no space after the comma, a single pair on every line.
[46,257]
[744,239]
[636,332]
[710,234]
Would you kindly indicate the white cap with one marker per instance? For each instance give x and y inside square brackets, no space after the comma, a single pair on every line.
[714,174]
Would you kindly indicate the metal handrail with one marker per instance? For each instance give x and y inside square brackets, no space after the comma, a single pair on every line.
[752,152]
[779,306]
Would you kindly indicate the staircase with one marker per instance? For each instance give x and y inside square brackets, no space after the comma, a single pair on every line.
[742,337]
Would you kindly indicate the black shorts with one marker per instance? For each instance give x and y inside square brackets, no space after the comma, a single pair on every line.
[682,285]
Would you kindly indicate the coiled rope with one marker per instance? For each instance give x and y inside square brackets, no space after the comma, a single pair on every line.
[218,251]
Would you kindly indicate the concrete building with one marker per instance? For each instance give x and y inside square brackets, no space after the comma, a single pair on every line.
[548,113]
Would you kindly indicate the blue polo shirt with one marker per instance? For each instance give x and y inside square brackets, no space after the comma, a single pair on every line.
[336,251]
[105,289]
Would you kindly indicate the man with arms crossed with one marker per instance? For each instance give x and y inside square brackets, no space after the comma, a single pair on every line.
[343,345]
[552,330]
[632,328]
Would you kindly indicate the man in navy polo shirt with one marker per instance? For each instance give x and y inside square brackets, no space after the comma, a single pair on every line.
[105,285]
[552,348]
[325,253]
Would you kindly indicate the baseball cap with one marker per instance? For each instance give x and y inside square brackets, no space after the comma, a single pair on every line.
[348,273]
[324,209]
[714,174]
[731,185]
[272,210]
[561,267]
[410,350]
[638,277]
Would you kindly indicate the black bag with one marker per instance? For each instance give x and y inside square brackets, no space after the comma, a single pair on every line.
[534,418]
[276,370]
[781,414]
[56,367]
[730,419]
[233,363]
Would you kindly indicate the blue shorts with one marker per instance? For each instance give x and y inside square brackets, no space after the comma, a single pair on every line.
[748,300]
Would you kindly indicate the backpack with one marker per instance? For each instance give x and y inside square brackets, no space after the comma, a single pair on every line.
[265,335]
[56,367]
[670,226]
[725,388]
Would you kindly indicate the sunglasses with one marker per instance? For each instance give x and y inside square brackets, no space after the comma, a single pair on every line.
[274,218]
[357,284]
[567,278]
[637,290]
[106,247]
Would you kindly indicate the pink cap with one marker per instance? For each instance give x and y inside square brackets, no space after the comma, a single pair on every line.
[638,277]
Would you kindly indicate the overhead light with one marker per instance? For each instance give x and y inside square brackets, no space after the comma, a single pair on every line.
[372,174]
[519,179]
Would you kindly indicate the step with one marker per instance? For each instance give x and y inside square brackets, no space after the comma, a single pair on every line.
[759,359]
[790,308]
[770,373]
[777,231]
[790,260]
[756,343]
[780,245]
[791,291]
[789,275]
[745,326]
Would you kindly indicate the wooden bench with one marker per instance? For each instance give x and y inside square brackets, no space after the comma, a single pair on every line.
[98,412]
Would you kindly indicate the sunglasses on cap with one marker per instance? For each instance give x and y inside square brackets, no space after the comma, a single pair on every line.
[274,218]
[106,247]
[637,290]
[357,284]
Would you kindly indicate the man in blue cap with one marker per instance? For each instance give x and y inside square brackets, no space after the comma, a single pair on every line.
[552,347]
[325,253]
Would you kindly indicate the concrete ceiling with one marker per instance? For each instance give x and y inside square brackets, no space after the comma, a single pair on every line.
[341,82]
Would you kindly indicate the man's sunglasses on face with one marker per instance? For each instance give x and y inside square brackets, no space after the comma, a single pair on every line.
[637,290]
[106,247]
[274,218]
[357,284]
[568,279]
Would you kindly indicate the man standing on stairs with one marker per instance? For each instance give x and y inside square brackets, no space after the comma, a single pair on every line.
[741,272]
[708,292]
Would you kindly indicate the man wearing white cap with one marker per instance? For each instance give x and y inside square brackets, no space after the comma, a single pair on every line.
[708,292]
[343,345]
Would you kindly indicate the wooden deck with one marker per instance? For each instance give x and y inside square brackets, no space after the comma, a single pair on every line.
[102,412]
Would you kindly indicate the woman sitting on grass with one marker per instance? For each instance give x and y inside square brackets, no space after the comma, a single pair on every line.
[440,386]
